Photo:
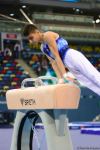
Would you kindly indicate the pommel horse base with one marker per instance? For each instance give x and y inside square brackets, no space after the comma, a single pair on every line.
[51,103]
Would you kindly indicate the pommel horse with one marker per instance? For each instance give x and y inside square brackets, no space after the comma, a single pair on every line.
[50,102]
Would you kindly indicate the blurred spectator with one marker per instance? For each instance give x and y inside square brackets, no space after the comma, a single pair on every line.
[44,63]
[35,58]
[7,52]
[17,49]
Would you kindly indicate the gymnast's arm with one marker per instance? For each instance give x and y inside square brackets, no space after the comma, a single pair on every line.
[57,64]
[55,68]
[53,47]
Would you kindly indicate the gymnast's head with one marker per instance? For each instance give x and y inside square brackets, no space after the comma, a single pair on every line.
[32,33]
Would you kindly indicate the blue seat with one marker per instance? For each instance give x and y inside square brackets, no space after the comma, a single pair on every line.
[12,87]
[0,86]
[9,72]
[7,75]
[8,65]
[23,76]
[1,68]
[2,83]
[18,76]
[21,68]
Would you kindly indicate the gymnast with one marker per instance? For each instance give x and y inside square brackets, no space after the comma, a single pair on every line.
[61,56]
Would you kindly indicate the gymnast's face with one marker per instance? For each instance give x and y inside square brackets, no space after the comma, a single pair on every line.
[34,37]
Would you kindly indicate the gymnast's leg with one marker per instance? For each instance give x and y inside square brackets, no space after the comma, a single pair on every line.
[84,69]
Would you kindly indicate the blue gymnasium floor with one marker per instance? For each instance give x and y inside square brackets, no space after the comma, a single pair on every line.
[85,136]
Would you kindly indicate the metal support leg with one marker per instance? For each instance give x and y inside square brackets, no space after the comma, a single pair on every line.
[21,133]
[56,129]
[60,121]
[18,119]
[57,133]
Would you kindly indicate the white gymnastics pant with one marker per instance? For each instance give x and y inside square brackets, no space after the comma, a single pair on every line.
[83,70]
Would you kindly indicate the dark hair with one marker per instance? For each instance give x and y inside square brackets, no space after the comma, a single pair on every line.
[29,28]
